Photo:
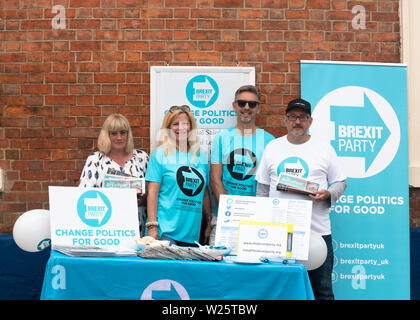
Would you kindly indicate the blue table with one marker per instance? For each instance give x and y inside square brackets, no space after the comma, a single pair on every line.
[133,278]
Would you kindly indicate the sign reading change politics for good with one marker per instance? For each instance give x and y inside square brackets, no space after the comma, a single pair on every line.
[208,91]
[361,109]
[101,217]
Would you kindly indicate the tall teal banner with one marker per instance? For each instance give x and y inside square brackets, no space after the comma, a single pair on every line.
[361,109]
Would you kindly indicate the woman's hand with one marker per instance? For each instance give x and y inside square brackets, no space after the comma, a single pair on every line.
[153,232]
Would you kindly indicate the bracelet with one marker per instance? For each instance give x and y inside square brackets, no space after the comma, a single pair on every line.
[152,224]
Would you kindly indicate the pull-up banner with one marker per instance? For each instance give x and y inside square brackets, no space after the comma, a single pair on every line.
[361,109]
[208,91]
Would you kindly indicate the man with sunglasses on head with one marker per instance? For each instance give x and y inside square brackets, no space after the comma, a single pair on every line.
[236,151]
[302,155]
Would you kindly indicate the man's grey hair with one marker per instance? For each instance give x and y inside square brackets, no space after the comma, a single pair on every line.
[249,88]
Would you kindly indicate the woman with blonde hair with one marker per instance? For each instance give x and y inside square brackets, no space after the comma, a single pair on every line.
[178,177]
[116,152]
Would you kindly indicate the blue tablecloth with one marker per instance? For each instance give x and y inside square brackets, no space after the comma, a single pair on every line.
[133,278]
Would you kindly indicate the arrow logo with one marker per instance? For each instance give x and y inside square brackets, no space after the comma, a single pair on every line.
[361,126]
[165,293]
[95,209]
[243,164]
[204,91]
[191,181]
[364,140]
[165,289]
[294,166]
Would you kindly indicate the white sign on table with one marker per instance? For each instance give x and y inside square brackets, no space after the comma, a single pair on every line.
[234,209]
[100,217]
[265,239]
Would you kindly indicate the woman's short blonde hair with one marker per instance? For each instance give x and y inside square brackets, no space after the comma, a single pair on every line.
[168,143]
[114,122]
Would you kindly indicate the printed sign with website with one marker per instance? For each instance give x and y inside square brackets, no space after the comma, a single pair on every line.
[99,217]
[265,239]
[234,210]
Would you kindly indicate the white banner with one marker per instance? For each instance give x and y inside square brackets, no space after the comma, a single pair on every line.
[209,91]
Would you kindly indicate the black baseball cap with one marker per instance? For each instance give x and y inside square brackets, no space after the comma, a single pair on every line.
[299,104]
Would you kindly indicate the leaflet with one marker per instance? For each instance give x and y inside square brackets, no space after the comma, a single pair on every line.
[234,209]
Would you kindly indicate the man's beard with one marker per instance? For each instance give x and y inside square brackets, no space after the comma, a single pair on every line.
[297,135]
[247,120]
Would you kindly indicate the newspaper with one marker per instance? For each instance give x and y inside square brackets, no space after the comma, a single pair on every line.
[290,183]
[175,253]
[93,251]
[118,179]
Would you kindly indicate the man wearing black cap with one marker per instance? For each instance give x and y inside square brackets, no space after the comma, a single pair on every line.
[301,155]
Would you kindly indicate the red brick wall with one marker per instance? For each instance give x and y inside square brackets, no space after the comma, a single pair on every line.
[57,86]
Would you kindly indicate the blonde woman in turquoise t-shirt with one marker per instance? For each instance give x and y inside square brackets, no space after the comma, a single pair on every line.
[178,178]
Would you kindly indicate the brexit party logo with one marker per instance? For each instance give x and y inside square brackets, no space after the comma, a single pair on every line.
[202,91]
[94,208]
[294,166]
[361,126]
[241,164]
[190,181]
[165,289]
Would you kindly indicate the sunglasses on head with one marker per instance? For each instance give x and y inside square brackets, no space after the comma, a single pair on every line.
[251,104]
[184,108]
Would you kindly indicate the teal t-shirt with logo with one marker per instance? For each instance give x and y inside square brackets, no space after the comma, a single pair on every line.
[182,184]
[240,157]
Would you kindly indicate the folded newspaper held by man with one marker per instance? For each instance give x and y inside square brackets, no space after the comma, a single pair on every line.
[117,179]
[291,183]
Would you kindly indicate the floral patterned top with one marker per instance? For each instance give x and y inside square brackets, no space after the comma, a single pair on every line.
[97,165]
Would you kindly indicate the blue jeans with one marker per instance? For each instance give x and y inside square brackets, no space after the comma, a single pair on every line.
[321,278]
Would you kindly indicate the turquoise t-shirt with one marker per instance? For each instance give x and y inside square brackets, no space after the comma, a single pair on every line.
[182,185]
[240,157]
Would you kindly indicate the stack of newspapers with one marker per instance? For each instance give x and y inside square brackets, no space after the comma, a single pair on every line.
[176,253]
[93,251]
[118,179]
[290,183]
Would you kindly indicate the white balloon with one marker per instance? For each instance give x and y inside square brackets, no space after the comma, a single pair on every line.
[317,252]
[31,231]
